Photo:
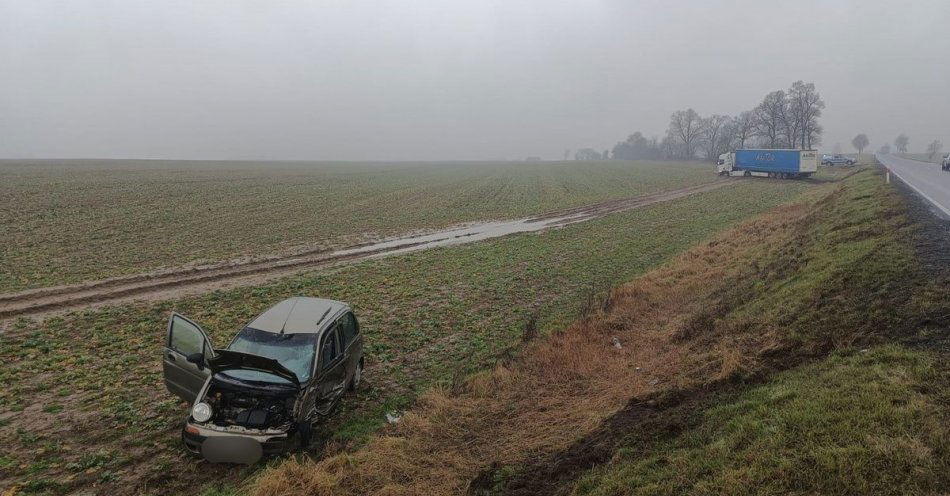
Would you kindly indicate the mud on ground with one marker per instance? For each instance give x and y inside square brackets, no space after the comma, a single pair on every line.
[178,282]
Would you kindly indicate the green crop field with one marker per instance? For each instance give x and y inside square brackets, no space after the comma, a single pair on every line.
[84,406]
[723,384]
[65,222]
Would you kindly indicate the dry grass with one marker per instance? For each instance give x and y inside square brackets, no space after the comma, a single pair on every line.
[872,422]
[564,386]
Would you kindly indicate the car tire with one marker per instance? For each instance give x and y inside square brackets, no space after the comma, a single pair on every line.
[357,376]
[303,438]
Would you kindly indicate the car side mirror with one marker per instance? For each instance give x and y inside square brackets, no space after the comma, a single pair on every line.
[197,359]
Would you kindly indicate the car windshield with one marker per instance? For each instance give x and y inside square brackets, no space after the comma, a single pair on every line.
[294,351]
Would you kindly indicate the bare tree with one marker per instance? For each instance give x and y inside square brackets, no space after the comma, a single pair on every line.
[933,149]
[637,147]
[567,153]
[729,138]
[815,131]
[744,127]
[901,143]
[769,117]
[806,105]
[668,146]
[885,148]
[587,154]
[714,127]
[791,122]
[686,127]
[860,142]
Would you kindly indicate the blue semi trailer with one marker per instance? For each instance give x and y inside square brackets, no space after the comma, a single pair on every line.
[769,163]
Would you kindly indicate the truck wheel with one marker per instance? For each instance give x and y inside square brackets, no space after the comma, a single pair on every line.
[747,174]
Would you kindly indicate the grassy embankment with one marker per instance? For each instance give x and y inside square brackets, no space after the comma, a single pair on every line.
[65,223]
[85,406]
[871,422]
[832,274]
[923,157]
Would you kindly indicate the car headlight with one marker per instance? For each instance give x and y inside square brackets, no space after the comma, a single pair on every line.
[201,412]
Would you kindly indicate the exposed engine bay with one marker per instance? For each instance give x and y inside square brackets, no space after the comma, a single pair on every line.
[235,403]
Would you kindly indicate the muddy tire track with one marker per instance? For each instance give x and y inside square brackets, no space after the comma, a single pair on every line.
[179,282]
[659,415]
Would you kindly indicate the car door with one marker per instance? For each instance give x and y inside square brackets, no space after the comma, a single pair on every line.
[183,338]
[351,341]
[331,381]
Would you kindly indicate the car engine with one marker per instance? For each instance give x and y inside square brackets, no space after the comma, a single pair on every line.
[252,408]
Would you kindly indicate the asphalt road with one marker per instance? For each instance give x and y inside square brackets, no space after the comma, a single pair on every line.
[925,178]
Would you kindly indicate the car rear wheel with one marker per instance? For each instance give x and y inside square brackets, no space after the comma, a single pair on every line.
[357,376]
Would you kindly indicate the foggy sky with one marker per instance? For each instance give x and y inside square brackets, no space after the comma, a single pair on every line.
[447,79]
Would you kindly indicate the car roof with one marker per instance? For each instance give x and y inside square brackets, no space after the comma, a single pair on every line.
[299,315]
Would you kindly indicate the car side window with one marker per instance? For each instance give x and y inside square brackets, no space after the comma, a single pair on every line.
[348,329]
[185,337]
[330,350]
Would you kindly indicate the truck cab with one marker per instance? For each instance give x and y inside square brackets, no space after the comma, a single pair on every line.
[726,163]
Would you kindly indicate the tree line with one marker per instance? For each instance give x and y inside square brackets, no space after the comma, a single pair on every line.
[902,142]
[783,119]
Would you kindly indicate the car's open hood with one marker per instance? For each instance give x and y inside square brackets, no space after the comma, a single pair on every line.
[232,360]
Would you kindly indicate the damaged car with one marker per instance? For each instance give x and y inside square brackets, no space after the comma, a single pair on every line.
[264,393]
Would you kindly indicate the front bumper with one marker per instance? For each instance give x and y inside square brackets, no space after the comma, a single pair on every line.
[194,436]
